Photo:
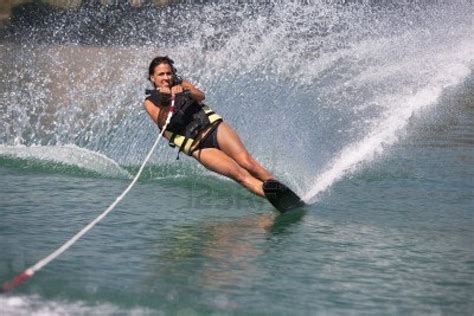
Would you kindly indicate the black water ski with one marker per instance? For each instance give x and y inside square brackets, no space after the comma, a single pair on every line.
[281,197]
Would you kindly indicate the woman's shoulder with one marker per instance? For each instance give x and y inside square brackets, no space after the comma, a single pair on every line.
[153,97]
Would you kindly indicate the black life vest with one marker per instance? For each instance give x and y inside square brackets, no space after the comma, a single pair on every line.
[189,118]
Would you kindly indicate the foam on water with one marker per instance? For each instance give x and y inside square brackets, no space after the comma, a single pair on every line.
[67,155]
[34,305]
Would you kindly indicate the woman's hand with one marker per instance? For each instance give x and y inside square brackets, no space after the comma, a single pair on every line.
[196,94]
[177,89]
[165,90]
[173,91]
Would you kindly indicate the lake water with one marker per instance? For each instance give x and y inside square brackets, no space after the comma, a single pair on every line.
[374,128]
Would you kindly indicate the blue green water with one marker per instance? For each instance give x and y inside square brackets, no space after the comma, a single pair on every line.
[374,128]
[397,238]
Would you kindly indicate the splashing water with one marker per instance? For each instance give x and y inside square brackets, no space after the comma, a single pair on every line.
[382,135]
[67,155]
[316,90]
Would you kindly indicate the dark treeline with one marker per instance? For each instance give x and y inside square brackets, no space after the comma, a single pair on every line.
[92,23]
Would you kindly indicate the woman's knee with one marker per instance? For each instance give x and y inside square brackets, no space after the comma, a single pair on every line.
[247,162]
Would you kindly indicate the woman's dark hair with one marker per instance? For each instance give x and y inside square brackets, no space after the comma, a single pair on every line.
[163,60]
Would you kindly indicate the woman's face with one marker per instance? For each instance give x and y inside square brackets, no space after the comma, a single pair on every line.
[162,76]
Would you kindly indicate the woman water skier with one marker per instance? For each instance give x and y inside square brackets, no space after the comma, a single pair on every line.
[197,130]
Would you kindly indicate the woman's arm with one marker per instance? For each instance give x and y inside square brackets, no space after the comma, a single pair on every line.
[152,110]
[197,94]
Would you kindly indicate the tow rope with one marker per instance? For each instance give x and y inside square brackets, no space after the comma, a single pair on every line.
[28,273]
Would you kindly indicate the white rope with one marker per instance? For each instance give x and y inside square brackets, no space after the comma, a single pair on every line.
[40,264]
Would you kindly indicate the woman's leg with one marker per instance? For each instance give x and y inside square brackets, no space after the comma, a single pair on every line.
[230,144]
[217,161]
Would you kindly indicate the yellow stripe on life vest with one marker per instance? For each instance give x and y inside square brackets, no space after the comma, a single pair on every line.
[213,117]
[180,139]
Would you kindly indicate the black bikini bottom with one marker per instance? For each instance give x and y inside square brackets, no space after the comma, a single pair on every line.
[210,140]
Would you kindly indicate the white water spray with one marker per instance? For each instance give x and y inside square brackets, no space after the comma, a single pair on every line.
[331,83]
[384,134]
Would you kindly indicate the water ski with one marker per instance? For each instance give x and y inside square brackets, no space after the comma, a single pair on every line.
[281,197]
